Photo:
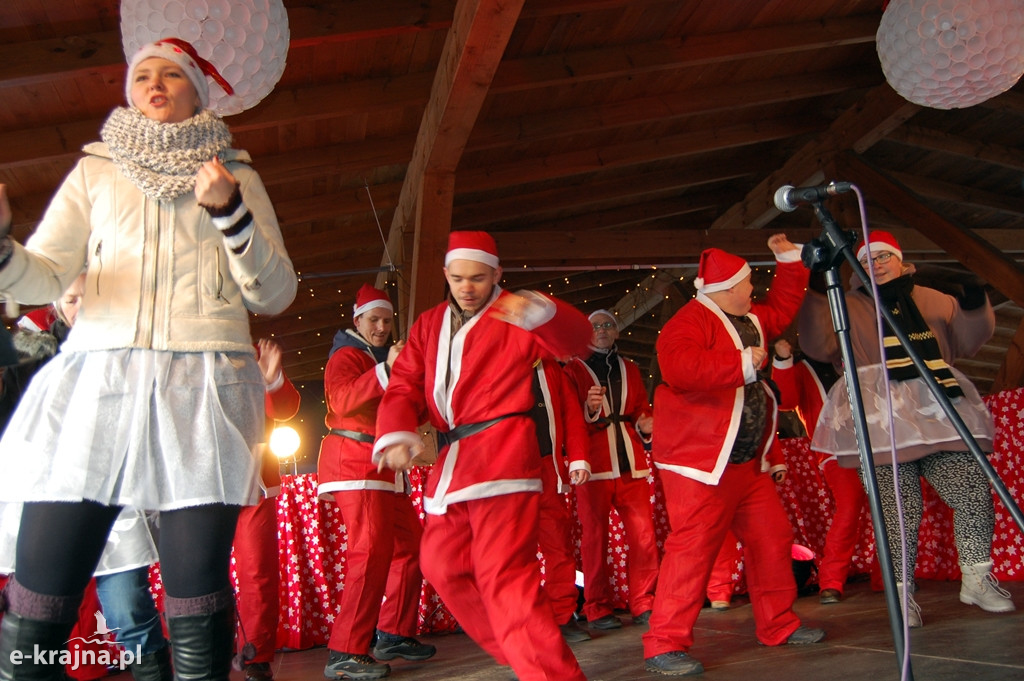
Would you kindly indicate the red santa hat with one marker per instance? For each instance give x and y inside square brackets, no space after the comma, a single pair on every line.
[185,56]
[475,246]
[881,242]
[368,298]
[719,271]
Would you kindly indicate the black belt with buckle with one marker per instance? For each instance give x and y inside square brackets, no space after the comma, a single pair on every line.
[467,429]
[352,435]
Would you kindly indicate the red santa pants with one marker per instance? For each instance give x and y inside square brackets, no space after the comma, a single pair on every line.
[631,497]
[699,516]
[381,562]
[481,556]
[850,500]
[258,578]
[555,538]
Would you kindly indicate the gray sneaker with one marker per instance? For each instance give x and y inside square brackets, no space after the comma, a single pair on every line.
[675,663]
[390,646]
[349,666]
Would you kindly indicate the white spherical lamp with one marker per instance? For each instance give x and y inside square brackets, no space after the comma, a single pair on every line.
[951,54]
[246,40]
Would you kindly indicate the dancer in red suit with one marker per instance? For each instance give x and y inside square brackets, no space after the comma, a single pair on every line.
[716,424]
[255,547]
[468,366]
[618,413]
[722,582]
[563,438]
[803,387]
[383,528]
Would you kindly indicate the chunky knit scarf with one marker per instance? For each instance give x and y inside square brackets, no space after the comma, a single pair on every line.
[896,295]
[162,159]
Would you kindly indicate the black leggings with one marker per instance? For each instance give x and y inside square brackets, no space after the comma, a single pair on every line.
[59,545]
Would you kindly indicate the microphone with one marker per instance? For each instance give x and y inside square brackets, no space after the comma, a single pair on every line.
[787,197]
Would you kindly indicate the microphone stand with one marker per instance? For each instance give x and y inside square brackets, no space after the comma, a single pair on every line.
[824,255]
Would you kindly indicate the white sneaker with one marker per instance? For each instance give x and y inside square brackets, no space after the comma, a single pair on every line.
[980,588]
[913,614]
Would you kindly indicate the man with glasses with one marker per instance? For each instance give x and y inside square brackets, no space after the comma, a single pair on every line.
[620,421]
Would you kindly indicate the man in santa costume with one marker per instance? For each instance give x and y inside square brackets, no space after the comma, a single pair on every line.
[803,386]
[716,421]
[256,553]
[384,530]
[619,419]
[563,439]
[468,365]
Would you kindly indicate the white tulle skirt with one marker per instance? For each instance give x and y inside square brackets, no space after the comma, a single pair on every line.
[137,428]
[920,425]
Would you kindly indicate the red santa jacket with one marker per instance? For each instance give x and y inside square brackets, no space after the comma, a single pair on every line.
[354,382]
[567,431]
[281,403]
[482,372]
[699,406]
[604,459]
[801,390]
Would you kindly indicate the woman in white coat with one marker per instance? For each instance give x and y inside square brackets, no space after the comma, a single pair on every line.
[155,401]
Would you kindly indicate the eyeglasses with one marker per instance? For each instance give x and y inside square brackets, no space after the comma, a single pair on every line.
[879,259]
[604,325]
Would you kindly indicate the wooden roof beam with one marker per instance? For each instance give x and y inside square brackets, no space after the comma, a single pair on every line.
[880,112]
[477,39]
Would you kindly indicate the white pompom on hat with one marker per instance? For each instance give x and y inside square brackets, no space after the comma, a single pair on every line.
[368,298]
[475,246]
[184,55]
[880,242]
[719,270]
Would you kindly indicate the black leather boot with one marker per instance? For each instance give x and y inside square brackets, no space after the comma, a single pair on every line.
[23,635]
[154,666]
[202,645]
[34,622]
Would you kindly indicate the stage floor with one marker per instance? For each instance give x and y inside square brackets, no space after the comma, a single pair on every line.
[957,642]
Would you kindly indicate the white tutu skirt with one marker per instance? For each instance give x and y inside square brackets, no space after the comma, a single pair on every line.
[921,427]
[138,428]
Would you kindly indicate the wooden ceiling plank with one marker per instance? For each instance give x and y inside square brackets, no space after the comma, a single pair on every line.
[32,62]
[620,61]
[1011,372]
[944,143]
[860,127]
[978,255]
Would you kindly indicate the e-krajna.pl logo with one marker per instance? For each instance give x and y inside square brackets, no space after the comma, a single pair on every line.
[75,654]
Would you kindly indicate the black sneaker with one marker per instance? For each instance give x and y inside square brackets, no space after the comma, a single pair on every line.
[643,618]
[675,663]
[390,646]
[348,666]
[606,622]
[572,632]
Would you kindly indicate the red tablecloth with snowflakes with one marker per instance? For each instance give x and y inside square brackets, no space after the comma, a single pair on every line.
[312,535]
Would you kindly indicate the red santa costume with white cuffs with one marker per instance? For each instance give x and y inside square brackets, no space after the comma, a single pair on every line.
[802,390]
[563,438]
[473,378]
[256,554]
[383,527]
[705,416]
[618,480]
